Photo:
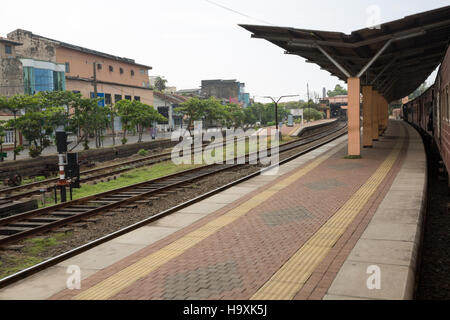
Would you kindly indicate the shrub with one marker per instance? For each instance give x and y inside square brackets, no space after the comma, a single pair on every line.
[34,151]
[18,150]
[143,152]
[124,141]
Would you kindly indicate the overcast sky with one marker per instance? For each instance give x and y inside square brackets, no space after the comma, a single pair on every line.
[189,40]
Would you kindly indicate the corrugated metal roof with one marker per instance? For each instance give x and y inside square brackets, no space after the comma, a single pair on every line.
[418,44]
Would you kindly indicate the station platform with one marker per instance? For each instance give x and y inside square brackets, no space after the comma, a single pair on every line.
[316,229]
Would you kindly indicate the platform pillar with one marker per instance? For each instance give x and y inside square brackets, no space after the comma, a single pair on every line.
[380,114]
[386,110]
[368,117]
[354,121]
[374,115]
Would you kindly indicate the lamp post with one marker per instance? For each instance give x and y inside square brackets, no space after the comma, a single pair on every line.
[276,107]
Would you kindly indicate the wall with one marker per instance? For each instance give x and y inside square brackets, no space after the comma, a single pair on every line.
[33,46]
[220,89]
[48,164]
[85,88]
[81,65]
[11,77]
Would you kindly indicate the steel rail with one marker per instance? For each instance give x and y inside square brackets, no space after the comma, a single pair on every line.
[76,251]
[115,198]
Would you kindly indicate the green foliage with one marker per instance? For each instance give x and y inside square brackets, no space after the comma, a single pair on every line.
[311,114]
[43,112]
[418,92]
[208,110]
[160,84]
[143,152]
[35,151]
[135,114]
[18,149]
[338,91]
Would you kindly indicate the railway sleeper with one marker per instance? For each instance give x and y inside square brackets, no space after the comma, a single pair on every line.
[131,206]
[84,207]
[8,231]
[62,214]
[27,224]
[74,210]
[43,219]
[115,198]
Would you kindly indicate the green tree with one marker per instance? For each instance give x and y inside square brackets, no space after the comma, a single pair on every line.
[338,91]
[37,126]
[418,92]
[2,137]
[160,84]
[234,116]
[90,119]
[112,113]
[126,111]
[144,116]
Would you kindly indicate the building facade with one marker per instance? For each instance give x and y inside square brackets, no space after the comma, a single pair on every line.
[229,91]
[73,68]
[166,103]
[48,65]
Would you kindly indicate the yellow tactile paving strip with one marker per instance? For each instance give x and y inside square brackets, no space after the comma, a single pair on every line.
[293,131]
[126,277]
[288,281]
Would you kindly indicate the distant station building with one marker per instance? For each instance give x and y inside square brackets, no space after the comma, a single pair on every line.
[337,106]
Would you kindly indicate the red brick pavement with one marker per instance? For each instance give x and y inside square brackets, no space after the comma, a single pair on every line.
[238,259]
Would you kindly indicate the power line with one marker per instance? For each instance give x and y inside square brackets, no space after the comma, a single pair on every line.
[237,12]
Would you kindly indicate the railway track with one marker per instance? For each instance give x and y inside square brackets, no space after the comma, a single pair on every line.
[35,188]
[20,226]
[169,185]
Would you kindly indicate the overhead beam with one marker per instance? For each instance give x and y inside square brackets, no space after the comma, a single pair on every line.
[341,68]
[387,66]
[367,66]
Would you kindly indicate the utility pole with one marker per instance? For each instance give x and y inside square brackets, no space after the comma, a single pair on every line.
[15,134]
[276,108]
[94,81]
[309,107]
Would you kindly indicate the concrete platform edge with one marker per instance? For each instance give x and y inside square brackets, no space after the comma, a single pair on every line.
[395,250]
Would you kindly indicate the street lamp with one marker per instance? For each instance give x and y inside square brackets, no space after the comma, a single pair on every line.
[276,106]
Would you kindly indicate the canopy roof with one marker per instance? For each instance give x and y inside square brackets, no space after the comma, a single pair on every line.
[395,58]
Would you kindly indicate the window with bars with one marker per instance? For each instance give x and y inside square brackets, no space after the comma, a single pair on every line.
[107,99]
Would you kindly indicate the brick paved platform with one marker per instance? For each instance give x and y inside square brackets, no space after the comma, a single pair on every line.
[296,234]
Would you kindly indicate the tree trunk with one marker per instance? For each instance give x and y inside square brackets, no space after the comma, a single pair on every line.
[124,134]
[141,129]
[113,131]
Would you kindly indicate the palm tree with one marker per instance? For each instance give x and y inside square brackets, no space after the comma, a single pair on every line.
[160,84]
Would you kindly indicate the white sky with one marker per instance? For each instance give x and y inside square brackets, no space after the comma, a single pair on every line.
[193,40]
